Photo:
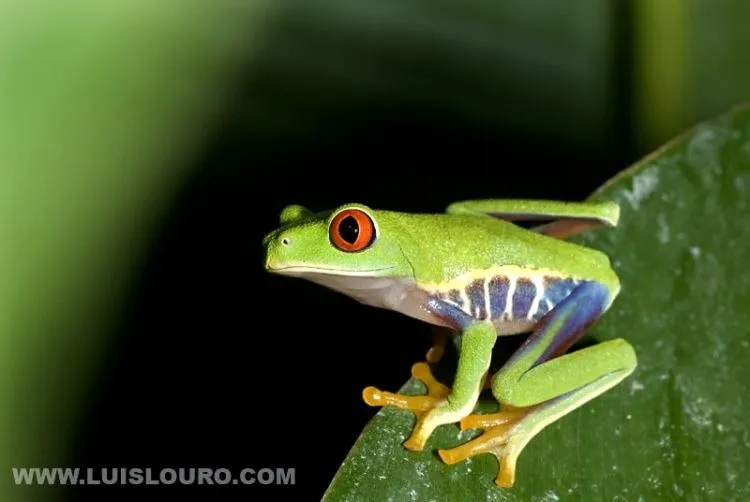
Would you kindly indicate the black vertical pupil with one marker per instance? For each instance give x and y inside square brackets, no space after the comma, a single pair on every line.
[349,229]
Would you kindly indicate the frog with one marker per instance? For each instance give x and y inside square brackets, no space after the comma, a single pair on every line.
[481,269]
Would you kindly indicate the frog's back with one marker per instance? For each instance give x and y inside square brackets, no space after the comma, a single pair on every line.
[451,246]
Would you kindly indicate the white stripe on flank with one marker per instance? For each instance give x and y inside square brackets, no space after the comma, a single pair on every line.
[465,299]
[539,293]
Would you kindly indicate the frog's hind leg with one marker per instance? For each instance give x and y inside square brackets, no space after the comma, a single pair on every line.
[510,430]
[538,385]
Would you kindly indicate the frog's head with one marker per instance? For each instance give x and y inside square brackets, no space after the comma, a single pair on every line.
[352,241]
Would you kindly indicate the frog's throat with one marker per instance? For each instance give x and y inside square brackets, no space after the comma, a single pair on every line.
[400,294]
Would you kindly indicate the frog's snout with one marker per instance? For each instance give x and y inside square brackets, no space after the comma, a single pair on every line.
[275,244]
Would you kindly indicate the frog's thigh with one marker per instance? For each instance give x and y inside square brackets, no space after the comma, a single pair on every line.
[581,376]
[537,373]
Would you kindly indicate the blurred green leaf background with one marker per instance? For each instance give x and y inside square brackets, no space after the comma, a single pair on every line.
[103,106]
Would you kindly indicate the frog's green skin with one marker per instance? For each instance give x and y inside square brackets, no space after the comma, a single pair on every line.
[474,271]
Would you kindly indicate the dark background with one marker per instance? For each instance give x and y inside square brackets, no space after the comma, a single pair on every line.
[218,364]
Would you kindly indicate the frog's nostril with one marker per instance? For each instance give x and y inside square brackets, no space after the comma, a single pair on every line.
[285,241]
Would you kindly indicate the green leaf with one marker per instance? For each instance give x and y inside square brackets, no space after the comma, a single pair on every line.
[677,428]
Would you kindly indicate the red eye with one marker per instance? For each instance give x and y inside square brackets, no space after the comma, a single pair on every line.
[352,230]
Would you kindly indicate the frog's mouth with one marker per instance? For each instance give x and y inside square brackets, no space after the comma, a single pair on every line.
[305,270]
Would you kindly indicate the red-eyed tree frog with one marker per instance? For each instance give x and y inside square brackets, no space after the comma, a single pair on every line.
[475,271]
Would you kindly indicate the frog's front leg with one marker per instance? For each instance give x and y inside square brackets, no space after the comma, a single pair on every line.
[542,385]
[442,405]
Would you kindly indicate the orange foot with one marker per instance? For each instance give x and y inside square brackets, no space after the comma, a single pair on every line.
[420,405]
[503,438]
[441,335]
